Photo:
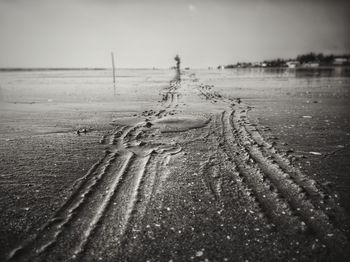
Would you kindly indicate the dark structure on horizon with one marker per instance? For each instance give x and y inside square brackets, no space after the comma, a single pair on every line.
[304,60]
[178,62]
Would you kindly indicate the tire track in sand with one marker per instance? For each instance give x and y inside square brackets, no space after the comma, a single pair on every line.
[270,201]
[293,193]
[289,198]
[111,189]
[106,201]
[308,186]
[116,236]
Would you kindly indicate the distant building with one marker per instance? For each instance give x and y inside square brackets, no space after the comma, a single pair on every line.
[311,64]
[221,67]
[340,61]
[293,64]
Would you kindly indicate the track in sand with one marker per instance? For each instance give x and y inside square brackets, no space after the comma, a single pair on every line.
[117,191]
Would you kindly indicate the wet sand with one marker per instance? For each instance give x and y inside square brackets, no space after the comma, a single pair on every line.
[192,171]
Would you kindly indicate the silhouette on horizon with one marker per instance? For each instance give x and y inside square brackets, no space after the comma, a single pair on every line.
[178,62]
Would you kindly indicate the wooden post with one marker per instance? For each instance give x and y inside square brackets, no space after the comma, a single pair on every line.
[113,72]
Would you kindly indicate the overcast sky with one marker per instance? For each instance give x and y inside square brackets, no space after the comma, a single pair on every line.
[82,33]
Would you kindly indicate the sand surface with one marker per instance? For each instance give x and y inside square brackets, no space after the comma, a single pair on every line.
[207,166]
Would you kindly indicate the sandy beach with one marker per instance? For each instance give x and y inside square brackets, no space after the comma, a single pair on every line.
[232,165]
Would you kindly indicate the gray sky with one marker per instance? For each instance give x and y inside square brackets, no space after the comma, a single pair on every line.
[82,33]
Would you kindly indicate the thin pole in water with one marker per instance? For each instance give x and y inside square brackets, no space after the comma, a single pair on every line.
[113,72]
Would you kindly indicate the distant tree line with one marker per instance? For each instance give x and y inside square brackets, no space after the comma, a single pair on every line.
[319,58]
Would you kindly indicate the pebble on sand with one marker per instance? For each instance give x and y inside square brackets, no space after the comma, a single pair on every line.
[315,153]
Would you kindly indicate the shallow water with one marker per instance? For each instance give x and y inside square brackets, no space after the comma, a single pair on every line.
[97,85]
[76,86]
